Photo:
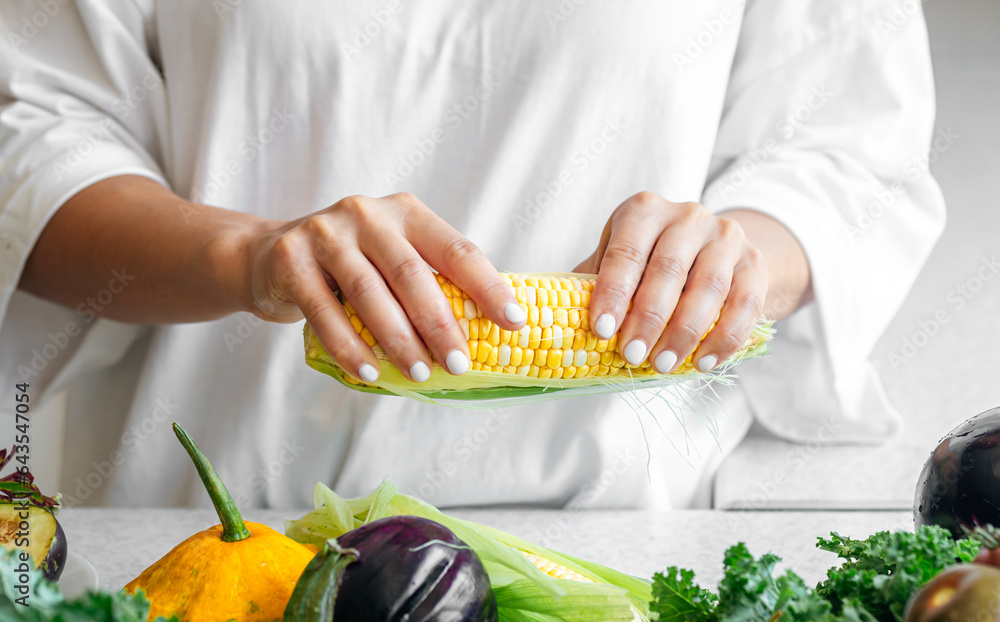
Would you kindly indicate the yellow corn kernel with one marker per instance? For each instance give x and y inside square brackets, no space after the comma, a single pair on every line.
[555,570]
[515,356]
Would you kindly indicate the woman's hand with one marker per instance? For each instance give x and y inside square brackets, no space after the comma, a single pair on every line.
[682,267]
[376,252]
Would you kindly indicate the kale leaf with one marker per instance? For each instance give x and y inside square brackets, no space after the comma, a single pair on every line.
[47,604]
[679,599]
[873,584]
[881,572]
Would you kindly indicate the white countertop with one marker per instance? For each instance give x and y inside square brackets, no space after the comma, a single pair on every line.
[120,543]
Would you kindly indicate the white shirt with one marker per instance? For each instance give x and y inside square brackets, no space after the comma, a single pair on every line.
[523,124]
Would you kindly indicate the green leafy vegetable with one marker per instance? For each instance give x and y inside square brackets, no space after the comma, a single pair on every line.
[750,591]
[47,604]
[877,577]
[19,485]
[680,600]
[883,571]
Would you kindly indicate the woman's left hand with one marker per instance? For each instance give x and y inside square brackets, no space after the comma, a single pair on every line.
[682,267]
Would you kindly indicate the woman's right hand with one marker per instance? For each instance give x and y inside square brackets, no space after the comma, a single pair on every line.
[376,252]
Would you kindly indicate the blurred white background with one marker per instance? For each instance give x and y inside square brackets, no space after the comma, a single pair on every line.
[936,373]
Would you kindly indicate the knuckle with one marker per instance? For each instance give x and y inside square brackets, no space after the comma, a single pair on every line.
[361,287]
[406,198]
[655,317]
[690,211]
[646,198]
[409,269]
[315,307]
[729,342]
[667,265]
[342,352]
[285,259]
[626,251]
[686,333]
[618,294]
[730,229]
[753,303]
[756,257]
[715,282]
[460,249]
[319,228]
[359,209]
[285,250]
[436,324]
[352,204]
[396,344]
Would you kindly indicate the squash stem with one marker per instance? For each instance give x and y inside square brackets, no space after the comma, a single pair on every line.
[233,528]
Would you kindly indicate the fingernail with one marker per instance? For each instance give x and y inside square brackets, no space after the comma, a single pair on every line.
[635,352]
[457,362]
[419,372]
[665,361]
[605,326]
[368,373]
[515,313]
[707,362]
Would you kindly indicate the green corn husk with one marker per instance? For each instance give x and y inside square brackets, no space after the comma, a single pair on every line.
[523,592]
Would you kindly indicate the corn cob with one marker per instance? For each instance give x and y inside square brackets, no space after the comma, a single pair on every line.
[555,570]
[557,349]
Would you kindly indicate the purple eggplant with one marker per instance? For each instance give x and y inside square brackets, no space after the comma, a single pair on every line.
[398,569]
[959,488]
[35,531]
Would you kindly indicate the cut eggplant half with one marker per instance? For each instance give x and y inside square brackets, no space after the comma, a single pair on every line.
[35,531]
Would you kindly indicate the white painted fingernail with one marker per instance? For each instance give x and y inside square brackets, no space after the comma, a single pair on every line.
[457,362]
[368,373]
[665,361]
[515,313]
[605,326]
[419,372]
[707,362]
[635,352]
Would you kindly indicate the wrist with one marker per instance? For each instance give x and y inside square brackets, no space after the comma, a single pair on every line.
[227,258]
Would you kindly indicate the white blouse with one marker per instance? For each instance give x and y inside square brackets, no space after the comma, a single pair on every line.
[522,123]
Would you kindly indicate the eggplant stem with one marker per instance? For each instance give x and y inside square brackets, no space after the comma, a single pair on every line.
[233,527]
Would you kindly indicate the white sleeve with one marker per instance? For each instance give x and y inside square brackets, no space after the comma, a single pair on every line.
[827,125]
[81,99]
